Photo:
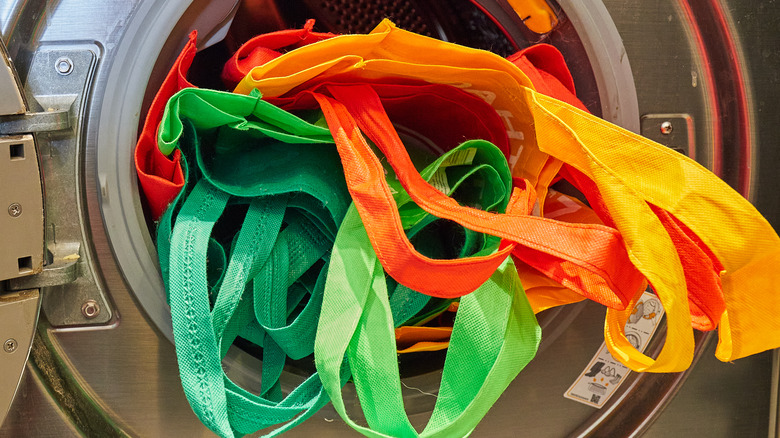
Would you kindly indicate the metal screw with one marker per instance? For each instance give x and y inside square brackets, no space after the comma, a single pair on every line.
[666,128]
[90,309]
[64,66]
[10,345]
[15,209]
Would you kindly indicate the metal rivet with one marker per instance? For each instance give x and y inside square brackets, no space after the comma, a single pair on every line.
[15,209]
[64,66]
[9,346]
[666,128]
[90,309]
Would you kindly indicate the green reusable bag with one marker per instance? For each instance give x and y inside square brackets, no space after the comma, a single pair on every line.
[494,336]
[245,249]
[251,164]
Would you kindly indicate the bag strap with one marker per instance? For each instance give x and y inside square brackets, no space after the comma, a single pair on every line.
[702,270]
[219,403]
[576,245]
[253,300]
[357,322]
[724,221]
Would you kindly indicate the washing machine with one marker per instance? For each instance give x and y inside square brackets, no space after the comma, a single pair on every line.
[86,331]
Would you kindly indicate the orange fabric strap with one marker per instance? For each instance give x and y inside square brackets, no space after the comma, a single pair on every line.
[587,258]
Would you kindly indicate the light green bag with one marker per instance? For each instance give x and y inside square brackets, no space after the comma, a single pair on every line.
[495,333]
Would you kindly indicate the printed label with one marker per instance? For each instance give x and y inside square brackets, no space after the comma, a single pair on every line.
[439,181]
[459,158]
[604,375]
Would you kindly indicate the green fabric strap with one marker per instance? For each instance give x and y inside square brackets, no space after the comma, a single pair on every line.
[243,154]
[280,282]
[495,333]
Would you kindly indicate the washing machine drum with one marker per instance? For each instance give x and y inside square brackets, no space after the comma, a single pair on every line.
[102,362]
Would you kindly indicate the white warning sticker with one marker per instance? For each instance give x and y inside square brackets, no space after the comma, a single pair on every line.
[604,374]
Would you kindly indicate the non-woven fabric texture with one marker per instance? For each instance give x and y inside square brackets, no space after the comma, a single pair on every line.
[629,178]
[495,323]
[277,180]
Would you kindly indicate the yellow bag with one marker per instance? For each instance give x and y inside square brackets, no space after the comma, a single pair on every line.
[629,171]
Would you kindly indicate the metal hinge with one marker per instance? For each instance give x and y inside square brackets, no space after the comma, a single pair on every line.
[52,120]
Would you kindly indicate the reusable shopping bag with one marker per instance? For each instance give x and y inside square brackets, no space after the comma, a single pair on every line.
[265,171]
[495,323]
[547,68]
[629,178]
[241,150]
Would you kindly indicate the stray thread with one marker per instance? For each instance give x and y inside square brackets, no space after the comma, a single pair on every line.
[420,390]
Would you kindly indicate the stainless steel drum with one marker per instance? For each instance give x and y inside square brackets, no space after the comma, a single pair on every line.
[700,76]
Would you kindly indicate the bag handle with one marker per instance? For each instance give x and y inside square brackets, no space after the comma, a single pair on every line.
[356,321]
[257,254]
[547,69]
[612,272]
[726,223]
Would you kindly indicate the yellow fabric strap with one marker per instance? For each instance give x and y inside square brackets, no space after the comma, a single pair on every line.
[630,171]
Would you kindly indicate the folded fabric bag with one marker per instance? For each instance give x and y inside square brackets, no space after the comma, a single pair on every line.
[629,178]
[494,336]
[277,179]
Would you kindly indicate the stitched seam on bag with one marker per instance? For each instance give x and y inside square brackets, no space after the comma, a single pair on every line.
[192,325]
[242,267]
[685,343]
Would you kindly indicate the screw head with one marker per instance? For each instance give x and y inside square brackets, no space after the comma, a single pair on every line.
[90,309]
[15,209]
[666,128]
[10,345]
[64,66]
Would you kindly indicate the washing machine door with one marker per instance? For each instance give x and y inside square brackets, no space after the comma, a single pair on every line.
[697,75]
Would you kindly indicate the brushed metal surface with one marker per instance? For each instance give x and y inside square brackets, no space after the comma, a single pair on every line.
[41,415]
[66,234]
[18,318]
[124,375]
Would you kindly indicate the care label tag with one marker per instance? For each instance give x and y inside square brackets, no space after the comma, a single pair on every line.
[439,181]
[459,158]
[604,375]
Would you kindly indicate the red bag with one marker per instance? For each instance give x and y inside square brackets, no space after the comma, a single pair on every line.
[161,178]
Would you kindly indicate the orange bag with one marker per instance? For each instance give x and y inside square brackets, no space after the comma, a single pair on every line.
[587,258]
[544,131]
